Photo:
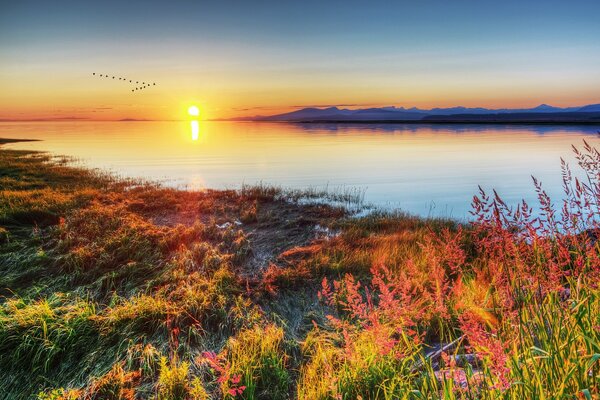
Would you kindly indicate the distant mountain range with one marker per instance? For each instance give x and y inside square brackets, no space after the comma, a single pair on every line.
[540,114]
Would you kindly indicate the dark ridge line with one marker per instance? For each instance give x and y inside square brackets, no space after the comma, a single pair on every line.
[419,122]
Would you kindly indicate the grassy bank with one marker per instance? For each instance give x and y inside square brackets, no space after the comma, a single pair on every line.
[120,289]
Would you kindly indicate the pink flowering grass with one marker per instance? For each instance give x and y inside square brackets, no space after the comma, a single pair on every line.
[518,289]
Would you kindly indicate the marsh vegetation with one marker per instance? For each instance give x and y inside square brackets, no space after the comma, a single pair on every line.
[122,289]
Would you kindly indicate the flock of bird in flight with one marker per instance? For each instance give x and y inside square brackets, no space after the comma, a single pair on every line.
[144,84]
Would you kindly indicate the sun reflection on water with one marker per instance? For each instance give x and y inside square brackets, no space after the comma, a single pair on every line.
[195,130]
[195,126]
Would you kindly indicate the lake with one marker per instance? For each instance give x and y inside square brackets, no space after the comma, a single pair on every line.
[429,170]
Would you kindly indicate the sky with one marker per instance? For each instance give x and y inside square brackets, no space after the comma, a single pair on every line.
[242,58]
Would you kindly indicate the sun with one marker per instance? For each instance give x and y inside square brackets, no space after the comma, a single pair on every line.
[193,111]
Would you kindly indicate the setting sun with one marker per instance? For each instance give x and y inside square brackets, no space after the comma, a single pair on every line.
[193,111]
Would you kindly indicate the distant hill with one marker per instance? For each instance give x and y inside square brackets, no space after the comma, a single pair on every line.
[308,113]
[590,108]
[543,113]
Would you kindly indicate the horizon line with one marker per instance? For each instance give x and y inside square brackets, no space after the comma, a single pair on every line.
[342,106]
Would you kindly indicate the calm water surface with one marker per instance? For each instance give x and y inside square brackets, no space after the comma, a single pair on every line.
[425,170]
